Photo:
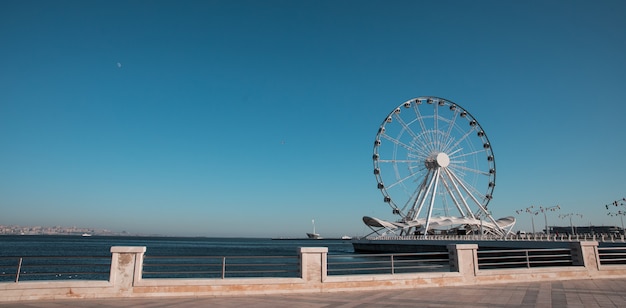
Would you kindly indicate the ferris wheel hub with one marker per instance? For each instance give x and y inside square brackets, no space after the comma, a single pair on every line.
[443,160]
[437,160]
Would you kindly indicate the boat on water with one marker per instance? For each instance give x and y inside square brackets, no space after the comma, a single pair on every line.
[86,234]
[314,235]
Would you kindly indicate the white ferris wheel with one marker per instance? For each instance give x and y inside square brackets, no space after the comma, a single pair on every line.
[435,168]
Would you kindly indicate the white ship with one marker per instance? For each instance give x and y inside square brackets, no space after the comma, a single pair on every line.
[313,236]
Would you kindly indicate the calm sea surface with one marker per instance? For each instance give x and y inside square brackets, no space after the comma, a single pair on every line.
[54,249]
[51,245]
[45,257]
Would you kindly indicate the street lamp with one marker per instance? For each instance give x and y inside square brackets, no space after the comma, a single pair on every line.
[621,217]
[570,219]
[544,210]
[532,213]
[618,213]
[617,203]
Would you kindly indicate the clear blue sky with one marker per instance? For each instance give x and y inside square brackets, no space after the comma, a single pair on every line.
[250,118]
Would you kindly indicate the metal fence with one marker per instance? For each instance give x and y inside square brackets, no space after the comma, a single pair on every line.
[539,237]
[612,255]
[220,266]
[54,268]
[520,258]
[15,269]
[388,263]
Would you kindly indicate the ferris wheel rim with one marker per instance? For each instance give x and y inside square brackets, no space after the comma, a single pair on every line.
[437,158]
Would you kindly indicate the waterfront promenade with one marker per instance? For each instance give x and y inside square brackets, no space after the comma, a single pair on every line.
[591,278]
[606,292]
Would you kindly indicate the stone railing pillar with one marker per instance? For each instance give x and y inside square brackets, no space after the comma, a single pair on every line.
[586,254]
[464,259]
[313,263]
[126,267]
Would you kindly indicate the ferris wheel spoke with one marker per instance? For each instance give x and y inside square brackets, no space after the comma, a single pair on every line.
[476,171]
[472,190]
[413,175]
[448,143]
[467,154]
[455,151]
[406,127]
[443,137]
[420,156]
[420,120]
[436,120]
[445,179]
[456,144]
[418,168]
[400,143]
[450,127]
[408,161]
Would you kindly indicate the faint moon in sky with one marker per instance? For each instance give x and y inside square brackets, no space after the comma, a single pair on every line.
[119,65]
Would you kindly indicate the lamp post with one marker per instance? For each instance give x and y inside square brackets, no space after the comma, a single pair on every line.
[618,213]
[546,209]
[621,217]
[570,215]
[532,213]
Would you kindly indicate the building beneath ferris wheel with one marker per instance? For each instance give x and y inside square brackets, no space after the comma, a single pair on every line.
[558,230]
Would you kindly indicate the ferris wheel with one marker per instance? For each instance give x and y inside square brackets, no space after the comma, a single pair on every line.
[435,168]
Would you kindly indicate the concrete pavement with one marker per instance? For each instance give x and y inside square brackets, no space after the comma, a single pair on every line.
[569,293]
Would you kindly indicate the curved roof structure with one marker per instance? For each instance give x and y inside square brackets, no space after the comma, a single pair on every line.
[440,222]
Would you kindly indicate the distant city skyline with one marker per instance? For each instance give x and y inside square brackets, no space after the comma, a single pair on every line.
[81,230]
[251,118]
[55,230]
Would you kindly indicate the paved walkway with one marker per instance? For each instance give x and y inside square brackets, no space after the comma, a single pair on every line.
[572,293]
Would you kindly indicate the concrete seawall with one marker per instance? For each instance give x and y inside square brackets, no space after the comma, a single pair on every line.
[413,246]
[126,279]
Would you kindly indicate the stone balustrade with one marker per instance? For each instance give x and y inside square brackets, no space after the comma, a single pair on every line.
[127,266]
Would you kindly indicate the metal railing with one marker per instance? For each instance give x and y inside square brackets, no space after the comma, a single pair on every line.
[220,266]
[512,237]
[520,258]
[612,255]
[54,268]
[388,263]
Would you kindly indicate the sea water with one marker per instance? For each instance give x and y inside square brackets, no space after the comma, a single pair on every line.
[51,254]
[66,245]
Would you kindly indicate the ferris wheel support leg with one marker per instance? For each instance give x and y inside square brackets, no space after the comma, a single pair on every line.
[432,200]
[421,199]
[482,208]
[414,210]
[451,193]
[454,181]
